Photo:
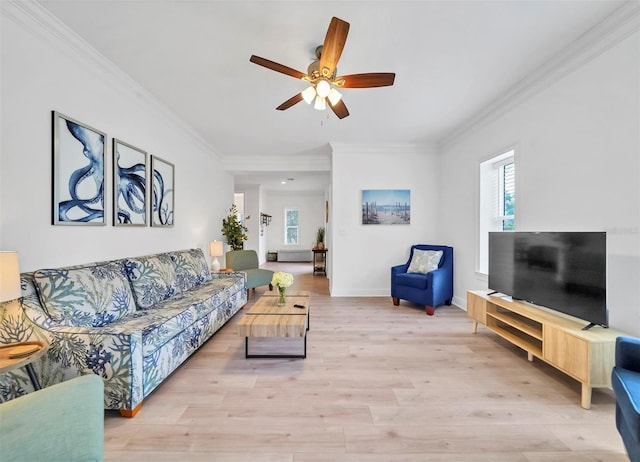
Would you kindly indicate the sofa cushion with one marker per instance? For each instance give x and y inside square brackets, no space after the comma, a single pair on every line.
[424,261]
[176,314]
[153,279]
[85,296]
[626,385]
[415,280]
[191,268]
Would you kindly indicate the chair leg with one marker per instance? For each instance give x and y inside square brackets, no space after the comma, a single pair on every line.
[429,310]
[396,301]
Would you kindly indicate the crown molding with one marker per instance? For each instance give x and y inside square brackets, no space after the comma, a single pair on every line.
[613,29]
[396,149]
[277,163]
[37,20]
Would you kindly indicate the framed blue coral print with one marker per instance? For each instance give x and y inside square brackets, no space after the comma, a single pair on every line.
[78,173]
[162,213]
[129,185]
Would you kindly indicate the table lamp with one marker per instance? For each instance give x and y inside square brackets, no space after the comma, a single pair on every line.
[216,250]
[9,276]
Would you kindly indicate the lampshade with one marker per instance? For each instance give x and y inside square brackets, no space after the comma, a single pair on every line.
[9,276]
[320,103]
[309,94]
[215,249]
[334,96]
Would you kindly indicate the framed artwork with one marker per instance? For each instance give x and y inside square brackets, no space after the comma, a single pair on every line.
[386,206]
[78,173]
[162,192]
[129,185]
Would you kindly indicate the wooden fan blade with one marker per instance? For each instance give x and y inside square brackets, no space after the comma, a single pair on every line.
[372,79]
[276,67]
[339,109]
[333,45]
[290,102]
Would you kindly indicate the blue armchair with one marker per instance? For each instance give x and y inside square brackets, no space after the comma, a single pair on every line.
[625,380]
[428,289]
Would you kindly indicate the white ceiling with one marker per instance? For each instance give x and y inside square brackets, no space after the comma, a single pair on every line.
[451,59]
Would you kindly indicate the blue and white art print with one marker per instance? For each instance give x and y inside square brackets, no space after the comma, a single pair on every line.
[386,206]
[78,173]
[129,185]
[162,192]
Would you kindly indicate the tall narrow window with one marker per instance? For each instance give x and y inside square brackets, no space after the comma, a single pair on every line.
[497,209]
[291,217]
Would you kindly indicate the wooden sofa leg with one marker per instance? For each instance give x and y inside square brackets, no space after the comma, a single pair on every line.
[429,310]
[396,301]
[129,413]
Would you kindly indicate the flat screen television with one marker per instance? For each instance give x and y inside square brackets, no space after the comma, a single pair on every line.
[564,271]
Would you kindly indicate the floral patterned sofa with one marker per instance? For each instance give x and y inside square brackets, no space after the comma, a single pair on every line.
[131,321]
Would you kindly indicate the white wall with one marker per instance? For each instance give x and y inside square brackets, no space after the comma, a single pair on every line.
[360,255]
[577,168]
[252,211]
[45,68]
[311,207]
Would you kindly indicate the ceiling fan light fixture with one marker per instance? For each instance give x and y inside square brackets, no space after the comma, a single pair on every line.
[309,94]
[323,88]
[320,103]
[334,96]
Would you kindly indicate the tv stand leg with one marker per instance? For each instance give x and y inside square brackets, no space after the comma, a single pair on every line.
[585,401]
[529,357]
[474,327]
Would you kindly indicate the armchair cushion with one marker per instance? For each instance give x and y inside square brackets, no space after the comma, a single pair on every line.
[424,261]
[415,280]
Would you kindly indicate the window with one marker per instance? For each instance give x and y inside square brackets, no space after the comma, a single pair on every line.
[497,201]
[291,221]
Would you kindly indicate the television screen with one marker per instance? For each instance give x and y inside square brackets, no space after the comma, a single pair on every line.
[565,271]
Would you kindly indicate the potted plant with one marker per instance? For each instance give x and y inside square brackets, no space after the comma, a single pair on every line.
[320,238]
[234,230]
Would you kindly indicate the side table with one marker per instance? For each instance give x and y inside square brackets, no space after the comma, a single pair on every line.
[320,261]
[16,355]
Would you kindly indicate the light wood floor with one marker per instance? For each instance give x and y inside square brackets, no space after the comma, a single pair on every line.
[380,383]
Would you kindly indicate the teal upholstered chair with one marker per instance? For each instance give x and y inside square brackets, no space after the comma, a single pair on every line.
[247,262]
[62,422]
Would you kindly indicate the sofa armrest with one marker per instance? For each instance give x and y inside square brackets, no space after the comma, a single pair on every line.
[61,422]
[628,353]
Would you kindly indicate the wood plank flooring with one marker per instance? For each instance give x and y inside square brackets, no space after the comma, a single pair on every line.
[380,383]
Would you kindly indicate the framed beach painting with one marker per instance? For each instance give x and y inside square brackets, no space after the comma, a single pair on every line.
[386,206]
[78,173]
[162,212]
[129,185]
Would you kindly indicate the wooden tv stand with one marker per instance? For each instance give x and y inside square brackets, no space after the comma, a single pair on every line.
[586,355]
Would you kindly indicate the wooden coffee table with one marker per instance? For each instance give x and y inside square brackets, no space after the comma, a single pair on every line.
[266,319]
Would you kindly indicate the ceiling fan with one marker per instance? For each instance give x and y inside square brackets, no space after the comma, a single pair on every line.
[321,74]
